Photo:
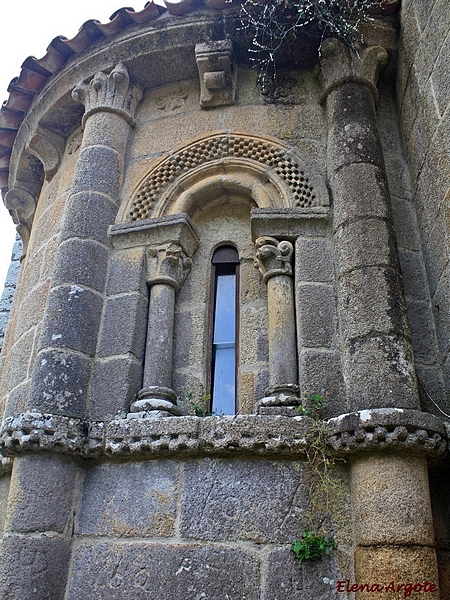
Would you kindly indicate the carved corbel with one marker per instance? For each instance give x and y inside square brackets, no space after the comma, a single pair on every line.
[22,206]
[217,73]
[340,64]
[109,92]
[48,147]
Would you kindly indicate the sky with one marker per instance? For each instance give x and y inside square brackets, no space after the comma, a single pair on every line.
[26,29]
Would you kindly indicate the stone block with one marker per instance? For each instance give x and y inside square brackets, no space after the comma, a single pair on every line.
[42,491]
[4,492]
[441,310]
[98,169]
[17,400]
[124,326]
[89,215]
[34,567]
[405,224]
[379,373]
[386,513]
[287,579]
[423,336]
[60,382]
[72,319]
[46,224]
[365,242]
[432,383]
[115,384]
[131,499]
[369,301]
[400,565]
[321,372]
[316,315]
[126,272]
[31,309]
[16,367]
[359,191]
[107,130]
[313,260]
[222,500]
[117,571]
[413,275]
[441,74]
[82,262]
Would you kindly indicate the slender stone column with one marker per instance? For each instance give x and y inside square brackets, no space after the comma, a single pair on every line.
[71,322]
[274,260]
[36,550]
[391,503]
[170,268]
[377,353]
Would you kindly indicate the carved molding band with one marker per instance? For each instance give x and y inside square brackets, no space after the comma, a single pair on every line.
[387,429]
[366,431]
[307,188]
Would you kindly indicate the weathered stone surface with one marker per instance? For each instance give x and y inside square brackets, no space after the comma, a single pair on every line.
[399,564]
[287,579]
[385,428]
[114,571]
[72,319]
[80,223]
[42,489]
[131,499]
[405,519]
[115,384]
[123,326]
[98,168]
[59,383]
[81,262]
[34,567]
[316,315]
[313,260]
[222,500]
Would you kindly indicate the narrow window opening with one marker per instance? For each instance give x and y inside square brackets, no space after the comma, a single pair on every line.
[224,339]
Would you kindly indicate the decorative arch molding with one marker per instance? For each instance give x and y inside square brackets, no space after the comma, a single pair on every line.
[235,163]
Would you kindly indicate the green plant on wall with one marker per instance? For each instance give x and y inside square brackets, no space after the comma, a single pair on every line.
[201,406]
[325,489]
[270,23]
[312,546]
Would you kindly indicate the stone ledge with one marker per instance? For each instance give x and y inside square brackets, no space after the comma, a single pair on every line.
[366,431]
[387,428]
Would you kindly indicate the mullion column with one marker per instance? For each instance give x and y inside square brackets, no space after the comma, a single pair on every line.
[157,399]
[274,260]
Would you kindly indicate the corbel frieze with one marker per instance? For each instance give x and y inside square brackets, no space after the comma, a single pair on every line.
[375,431]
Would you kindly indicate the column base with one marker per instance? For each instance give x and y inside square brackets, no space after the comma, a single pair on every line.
[155,402]
[280,400]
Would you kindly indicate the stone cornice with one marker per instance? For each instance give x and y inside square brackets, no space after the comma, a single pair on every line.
[375,431]
[384,429]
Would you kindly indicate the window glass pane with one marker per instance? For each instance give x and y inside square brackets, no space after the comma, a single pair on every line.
[224,379]
[225,313]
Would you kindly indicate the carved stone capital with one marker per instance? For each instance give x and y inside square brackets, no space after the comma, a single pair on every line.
[168,265]
[21,205]
[217,73]
[48,146]
[109,92]
[339,64]
[385,429]
[273,257]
